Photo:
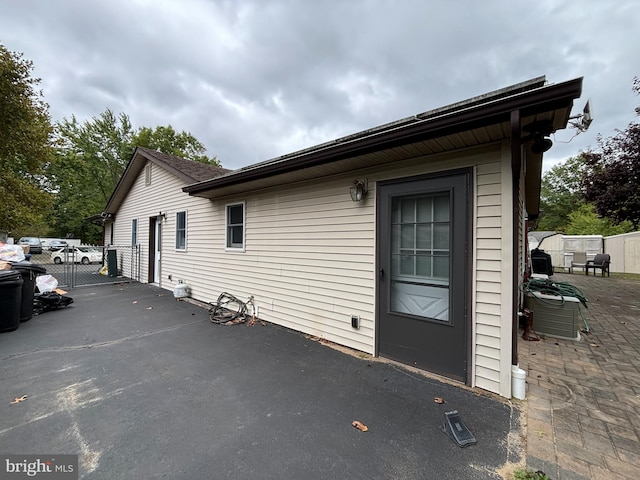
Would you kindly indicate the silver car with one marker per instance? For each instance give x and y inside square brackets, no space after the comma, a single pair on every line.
[35,245]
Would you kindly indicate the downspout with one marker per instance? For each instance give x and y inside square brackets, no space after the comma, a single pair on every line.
[516,165]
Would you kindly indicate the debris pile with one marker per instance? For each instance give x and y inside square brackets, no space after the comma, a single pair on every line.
[230,310]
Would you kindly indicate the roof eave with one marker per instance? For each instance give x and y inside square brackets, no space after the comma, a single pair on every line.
[529,102]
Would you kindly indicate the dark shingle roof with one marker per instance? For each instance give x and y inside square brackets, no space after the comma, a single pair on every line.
[189,171]
[197,171]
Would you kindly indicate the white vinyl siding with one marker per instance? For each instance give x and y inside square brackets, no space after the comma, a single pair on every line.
[489,278]
[308,261]
[309,252]
[144,202]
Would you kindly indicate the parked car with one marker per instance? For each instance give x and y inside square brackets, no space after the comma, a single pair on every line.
[57,245]
[84,255]
[35,245]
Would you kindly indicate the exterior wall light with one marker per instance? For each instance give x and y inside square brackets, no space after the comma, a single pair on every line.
[541,144]
[359,189]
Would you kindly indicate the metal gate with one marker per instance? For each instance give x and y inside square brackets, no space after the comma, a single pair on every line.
[87,265]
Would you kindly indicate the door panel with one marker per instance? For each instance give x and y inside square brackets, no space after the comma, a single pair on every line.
[423,288]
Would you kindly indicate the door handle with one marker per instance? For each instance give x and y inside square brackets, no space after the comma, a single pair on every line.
[381,272]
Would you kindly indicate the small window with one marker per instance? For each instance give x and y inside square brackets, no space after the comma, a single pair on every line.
[235,226]
[181,230]
[134,231]
[147,174]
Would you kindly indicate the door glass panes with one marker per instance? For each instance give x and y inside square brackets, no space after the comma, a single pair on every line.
[420,257]
[441,236]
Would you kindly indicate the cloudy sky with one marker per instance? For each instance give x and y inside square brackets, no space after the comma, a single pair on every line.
[255,79]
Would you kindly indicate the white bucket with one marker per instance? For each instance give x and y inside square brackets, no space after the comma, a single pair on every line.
[518,386]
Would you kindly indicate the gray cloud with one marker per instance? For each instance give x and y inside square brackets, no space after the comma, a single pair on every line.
[253,79]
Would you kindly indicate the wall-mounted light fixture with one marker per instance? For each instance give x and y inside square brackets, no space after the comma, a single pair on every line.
[539,131]
[540,144]
[161,216]
[359,189]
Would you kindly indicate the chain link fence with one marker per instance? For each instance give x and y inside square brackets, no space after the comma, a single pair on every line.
[91,265]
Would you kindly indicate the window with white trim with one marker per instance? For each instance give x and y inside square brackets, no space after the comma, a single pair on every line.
[181,230]
[235,226]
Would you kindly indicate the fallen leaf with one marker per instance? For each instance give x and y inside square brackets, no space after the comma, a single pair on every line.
[439,400]
[359,425]
[149,308]
[540,433]
[594,345]
[134,302]
[18,399]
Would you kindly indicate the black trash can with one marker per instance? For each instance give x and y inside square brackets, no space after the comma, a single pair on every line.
[29,272]
[10,297]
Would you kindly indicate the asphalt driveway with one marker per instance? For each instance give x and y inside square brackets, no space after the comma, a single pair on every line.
[142,386]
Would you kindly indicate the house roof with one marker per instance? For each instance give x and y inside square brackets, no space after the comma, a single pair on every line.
[478,120]
[189,171]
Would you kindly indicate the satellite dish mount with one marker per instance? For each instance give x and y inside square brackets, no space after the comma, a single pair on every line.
[581,122]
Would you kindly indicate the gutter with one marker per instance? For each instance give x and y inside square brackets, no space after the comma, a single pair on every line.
[495,111]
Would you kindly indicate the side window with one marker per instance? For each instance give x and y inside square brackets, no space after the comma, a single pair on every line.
[235,226]
[147,174]
[134,231]
[181,230]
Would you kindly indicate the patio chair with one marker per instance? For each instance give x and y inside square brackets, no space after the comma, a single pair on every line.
[579,260]
[601,261]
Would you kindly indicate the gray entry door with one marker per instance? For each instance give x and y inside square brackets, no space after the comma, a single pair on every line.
[423,281]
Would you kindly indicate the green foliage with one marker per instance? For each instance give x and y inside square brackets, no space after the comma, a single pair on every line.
[52,179]
[167,140]
[90,159]
[585,221]
[612,183]
[25,131]
[522,474]
[561,194]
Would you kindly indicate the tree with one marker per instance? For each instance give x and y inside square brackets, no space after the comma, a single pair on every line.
[90,159]
[585,221]
[561,194]
[25,132]
[612,182]
[167,140]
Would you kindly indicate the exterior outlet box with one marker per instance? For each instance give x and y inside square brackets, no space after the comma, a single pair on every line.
[355,321]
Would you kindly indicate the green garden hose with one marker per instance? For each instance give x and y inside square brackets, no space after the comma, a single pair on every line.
[556,289]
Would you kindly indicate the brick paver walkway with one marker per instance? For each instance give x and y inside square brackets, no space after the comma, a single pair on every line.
[583,398]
